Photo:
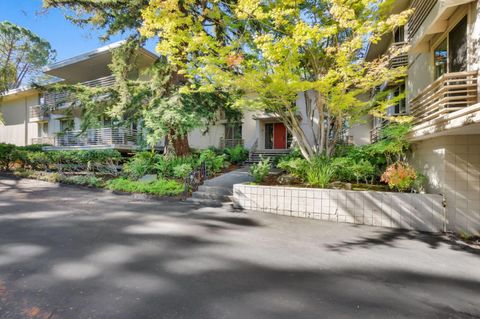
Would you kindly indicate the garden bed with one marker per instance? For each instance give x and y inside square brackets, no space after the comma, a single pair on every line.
[167,176]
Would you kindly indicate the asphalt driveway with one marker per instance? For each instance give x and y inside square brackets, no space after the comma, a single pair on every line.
[67,252]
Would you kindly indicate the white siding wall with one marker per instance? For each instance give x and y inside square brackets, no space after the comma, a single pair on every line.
[452,165]
[16,128]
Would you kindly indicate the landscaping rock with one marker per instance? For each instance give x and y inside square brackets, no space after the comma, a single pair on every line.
[148,178]
[287,180]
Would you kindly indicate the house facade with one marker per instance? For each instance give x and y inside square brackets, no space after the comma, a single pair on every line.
[442,95]
[33,117]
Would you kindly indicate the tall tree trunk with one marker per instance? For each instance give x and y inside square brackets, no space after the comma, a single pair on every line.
[177,145]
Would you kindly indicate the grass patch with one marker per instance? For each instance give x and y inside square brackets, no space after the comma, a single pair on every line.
[161,187]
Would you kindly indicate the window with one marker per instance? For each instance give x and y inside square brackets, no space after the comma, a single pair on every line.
[43,129]
[233,131]
[400,107]
[440,59]
[399,34]
[66,125]
[457,47]
[451,54]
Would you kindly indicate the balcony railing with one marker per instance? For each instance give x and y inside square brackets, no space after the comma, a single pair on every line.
[224,143]
[449,93]
[38,113]
[46,140]
[97,137]
[401,59]
[56,99]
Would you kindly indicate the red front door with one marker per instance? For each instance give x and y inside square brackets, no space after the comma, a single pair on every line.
[279,136]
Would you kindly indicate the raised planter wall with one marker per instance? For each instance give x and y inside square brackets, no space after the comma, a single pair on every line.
[423,212]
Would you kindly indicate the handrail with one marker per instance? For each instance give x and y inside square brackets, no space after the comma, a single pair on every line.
[55,98]
[97,136]
[449,93]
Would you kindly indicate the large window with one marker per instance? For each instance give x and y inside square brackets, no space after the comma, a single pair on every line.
[233,131]
[451,54]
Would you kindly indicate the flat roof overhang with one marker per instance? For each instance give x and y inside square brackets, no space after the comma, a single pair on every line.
[93,65]
[380,47]
[436,22]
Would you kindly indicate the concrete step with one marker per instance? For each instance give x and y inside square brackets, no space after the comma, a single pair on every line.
[209,196]
[216,190]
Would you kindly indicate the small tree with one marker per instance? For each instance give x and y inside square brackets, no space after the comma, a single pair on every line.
[272,50]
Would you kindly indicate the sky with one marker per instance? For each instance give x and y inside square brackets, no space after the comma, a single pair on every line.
[66,38]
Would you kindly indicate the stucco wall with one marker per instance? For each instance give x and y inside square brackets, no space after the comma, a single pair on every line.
[16,128]
[452,165]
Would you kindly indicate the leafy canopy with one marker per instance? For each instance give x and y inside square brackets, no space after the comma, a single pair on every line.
[271,50]
[22,54]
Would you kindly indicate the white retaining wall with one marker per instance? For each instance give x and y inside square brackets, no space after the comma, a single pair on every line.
[423,212]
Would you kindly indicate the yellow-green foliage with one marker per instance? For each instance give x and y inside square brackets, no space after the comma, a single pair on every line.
[273,50]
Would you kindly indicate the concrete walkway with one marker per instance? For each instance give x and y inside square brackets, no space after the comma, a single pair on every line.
[220,188]
[68,252]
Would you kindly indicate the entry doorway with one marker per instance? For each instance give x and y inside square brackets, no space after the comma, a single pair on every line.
[276,136]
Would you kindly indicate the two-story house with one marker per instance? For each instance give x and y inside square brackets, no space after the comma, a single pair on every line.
[442,95]
[33,117]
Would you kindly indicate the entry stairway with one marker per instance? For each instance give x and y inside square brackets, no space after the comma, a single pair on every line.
[219,189]
[255,156]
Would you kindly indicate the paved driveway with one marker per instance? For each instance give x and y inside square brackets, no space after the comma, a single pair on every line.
[75,253]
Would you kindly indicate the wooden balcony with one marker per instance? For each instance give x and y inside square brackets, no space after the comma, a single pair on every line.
[451,92]
[401,59]
[121,138]
[63,99]
[38,113]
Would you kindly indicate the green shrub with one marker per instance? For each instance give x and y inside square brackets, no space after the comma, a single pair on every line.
[343,168]
[420,183]
[165,165]
[237,154]
[161,187]
[294,166]
[320,172]
[6,151]
[83,180]
[139,165]
[182,170]
[362,170]
[294,154]
[33,147]
[92,160]
[260,170]
[214,163]
[37,160]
